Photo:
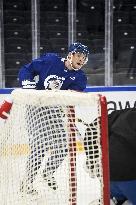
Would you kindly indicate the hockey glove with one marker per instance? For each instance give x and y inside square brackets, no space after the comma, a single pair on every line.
[5,108]
[27,84]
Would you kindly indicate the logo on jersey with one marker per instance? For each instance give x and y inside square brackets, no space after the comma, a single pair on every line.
[72,78]
[53,82]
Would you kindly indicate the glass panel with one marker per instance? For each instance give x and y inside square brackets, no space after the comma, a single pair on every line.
[53,26]
[90,31]
[124,25]
[17,38]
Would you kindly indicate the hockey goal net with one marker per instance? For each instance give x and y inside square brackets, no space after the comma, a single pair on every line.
[54,149]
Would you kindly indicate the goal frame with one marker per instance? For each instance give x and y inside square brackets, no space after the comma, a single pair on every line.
[72,132]
[105,150]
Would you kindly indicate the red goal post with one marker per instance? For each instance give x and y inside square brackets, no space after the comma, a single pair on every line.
[55,143]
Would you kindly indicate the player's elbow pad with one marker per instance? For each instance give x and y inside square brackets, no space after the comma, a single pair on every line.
[27,84]
[5,108]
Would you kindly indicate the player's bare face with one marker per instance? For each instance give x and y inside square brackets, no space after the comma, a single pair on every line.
[78,60]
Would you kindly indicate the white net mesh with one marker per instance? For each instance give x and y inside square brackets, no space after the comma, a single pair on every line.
[50,151]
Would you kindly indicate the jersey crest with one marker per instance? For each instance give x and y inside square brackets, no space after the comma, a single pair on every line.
[53,82]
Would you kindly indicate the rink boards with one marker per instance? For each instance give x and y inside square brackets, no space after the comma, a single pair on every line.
[118,97]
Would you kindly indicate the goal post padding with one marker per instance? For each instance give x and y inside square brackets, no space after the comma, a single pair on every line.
[55,143]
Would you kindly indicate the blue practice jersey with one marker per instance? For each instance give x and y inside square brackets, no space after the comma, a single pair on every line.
[49,68]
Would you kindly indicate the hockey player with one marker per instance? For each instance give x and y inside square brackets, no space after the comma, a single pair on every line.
[122,154]
[50,71]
